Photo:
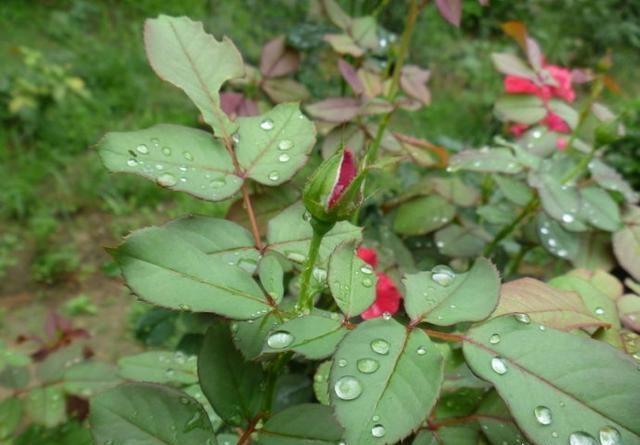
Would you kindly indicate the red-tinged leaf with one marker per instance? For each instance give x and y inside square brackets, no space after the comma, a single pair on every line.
[450,10]
[235,104]
[336,109]
[611,84]
[344,44]
[629,311]
[423,152]
[547,305]
[285,90]
[277,59]
[580,75]
[350,75]
[413,82]
[377,105]
[517,31]
[371,83]
[534,53]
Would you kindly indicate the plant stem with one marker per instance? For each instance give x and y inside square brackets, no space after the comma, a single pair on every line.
[443,335]
[305,298]
[252,217]
[246,436]
[529,208]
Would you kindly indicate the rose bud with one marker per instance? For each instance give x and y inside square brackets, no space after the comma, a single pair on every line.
[333,193]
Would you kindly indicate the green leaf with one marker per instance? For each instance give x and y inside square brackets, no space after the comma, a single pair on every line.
[496,421]
[272,276]
[175,157]
[321,383]
[554,382]
[556,239]
[304,424]
[496,160]
[458,241]
[290,234]
[455,190]
[10,416]
[599,209]
[384,381]
[509,64]
[52,369]
[560,201]
[565,111]
[521,108]
[546,305]
[423,215]
[218,238]
[162,268]
[351,280]
[458,435]
[232,385]
[626,243]
[272,147]
[89,378]
[160,367]
[629,310]
[595,252]
[608,178]
[182,53]
[149,414]
[46,405]
[196,392]
[514,190]
[315,336]
[249,336]
[291,389]
[443,297]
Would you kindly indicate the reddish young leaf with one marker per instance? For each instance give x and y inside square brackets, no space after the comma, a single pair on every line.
[450,10]
[350,75]
[278,60]
[335,109]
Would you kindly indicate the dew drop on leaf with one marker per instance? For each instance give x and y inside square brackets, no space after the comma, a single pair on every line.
[279,340]
[494,339]
[610,436]
[568,218]
[543,415]
[274,176]
[187,155]
[378,431]
[284,157]
[184,307]
[348,388]
[217,183]
[166,151]
[599,311]
[380,346]
[367,365]
[498,365]
[523,318]
[285,144]
[342,363]
[582,438]
[235,137]
[132,162]
[367,282]
[421,350]
[266,124]
[443,275]
[366,269]
[142,149]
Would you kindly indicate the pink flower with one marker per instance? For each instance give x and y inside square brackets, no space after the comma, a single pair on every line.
[561,143]
[555,123]
[563,77]
[522,85]
[348,172]
[387,294]
[518,129]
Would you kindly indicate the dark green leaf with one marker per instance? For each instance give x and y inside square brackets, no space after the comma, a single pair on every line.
[306,424]
[423,215]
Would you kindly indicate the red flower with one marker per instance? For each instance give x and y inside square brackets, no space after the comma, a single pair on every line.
[387,294]
[563,77]
[518,129]
[522,85]
[346,175]
[555,123]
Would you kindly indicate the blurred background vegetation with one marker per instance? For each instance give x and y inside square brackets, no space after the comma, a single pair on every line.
[73,69]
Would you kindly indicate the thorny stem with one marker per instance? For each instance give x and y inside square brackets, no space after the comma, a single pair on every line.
[305,298]
[414,10]
[533,204]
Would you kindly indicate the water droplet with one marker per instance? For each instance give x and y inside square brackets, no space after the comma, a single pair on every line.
[284,157]
[235,137]
[599,311]
[568,218]
[367,282]
[132,162]
[167,180]
[498,365]
[184,307]
[296,257]
[380,346]
[342,363]
[494,339]
[218,183]
[367,365]
[554,434]
[536,134]
[348,388]
[279,340]
[266,124]
[378,431]
[108,442]
[274,176]
[610,436]
[166,151]
[582,438]
[376,418]
[142,149]
[285,144]
[543,415]
[386,316]
[421,350]
[443,275]
[306,216]
[366,269]
[522,318]
[187,155]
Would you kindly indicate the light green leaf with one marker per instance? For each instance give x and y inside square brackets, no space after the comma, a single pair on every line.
[509,64]
[521,108]
[629,309]
[351,280]
[595,251]
[458,435]
[458,241]
[626,242]
[89,378]
[554,382]
[149,414]
[232,385]
[175,157]
[423,215]
[290,234]
[315,336]
[560,201]
[565,111]
[10,416]
[162,268]
[495,160]
[160,367]
[321,383]
[610,179]
[514,190]
[182,53]
[455,190]
[556,239]
[46,406]
[599,209]
[293,426]
[384,381]
[272,147]
[272,276]
[443,297]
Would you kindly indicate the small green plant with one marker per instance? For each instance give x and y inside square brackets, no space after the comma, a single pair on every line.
[329,319]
